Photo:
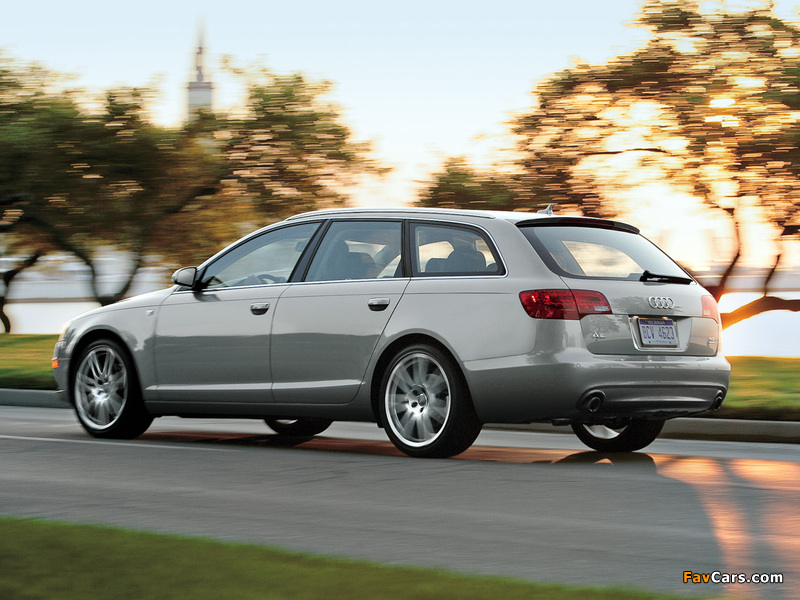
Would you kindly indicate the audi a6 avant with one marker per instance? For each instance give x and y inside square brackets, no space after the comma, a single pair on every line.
[428,322]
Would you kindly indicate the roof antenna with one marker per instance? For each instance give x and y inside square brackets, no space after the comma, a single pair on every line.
[546,211]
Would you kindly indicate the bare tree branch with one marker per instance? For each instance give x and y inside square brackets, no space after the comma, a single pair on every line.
[771,274]
[8,277]
[761,305]
[612,152]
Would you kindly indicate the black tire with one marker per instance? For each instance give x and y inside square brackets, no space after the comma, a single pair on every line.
[106,394]
[425,405]
[302,427]
[631,435]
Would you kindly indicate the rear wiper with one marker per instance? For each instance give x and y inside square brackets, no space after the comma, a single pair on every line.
[648,276]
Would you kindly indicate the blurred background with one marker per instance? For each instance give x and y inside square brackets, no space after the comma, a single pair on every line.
[136,140]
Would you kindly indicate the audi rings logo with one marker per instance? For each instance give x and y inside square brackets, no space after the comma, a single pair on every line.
[661,302]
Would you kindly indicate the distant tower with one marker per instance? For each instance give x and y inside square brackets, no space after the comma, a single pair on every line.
[200,90]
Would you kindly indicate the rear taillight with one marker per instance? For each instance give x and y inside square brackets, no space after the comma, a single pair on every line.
[710,308]
[591,303]
[564,304]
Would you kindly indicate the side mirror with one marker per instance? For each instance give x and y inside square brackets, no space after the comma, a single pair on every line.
[185,276]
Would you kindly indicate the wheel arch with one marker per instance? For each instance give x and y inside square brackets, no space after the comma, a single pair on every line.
[84,341]
[389,352]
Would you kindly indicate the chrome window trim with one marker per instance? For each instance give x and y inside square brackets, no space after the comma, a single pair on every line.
[489,236]
[203,267]
[323,232]
[185,290]
[325,224]
[350,281]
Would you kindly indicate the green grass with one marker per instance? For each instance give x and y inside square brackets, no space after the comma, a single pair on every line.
[43,560]
[761,387]
[25,361]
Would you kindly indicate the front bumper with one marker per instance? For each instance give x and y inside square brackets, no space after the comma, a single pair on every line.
[61,372]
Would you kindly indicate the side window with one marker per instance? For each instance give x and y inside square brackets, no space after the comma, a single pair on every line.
[268,258]
[448,250]
[358,250]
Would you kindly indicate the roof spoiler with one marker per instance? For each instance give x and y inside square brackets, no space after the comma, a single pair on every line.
[546,219]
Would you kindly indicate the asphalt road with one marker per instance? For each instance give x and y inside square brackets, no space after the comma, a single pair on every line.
[536,506]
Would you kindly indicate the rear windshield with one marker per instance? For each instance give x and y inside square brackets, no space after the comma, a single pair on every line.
[593,252]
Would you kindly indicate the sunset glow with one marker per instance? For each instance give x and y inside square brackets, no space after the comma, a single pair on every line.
[429,83]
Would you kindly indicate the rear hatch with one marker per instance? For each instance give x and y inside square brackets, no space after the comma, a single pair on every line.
[632,298]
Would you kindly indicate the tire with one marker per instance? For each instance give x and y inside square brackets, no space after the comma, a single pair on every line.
[634,434]
[425,404]
[106,393]
[302,427]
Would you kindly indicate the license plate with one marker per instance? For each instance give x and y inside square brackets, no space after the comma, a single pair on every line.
[658,333]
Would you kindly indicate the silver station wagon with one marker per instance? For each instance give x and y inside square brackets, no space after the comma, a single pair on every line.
[429,322]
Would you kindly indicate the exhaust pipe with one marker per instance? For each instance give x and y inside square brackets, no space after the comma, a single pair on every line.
[592,402]
[718,400]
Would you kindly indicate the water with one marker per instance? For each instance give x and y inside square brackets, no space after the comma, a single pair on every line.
[46,296]
[44,299]
[774,333]
[770,334]
[44,317]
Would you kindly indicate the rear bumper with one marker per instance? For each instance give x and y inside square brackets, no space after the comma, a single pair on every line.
[561,385]
[654,402]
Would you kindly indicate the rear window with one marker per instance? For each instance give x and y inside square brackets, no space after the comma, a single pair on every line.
[593,252]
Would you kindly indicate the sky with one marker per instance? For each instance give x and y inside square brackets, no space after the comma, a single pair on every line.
[422,80]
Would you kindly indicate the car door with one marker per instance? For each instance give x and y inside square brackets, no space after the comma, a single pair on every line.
[212,342]
[326,328]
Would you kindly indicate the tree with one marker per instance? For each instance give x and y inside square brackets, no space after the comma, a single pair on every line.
[287,152]
[95,179]
[23,90]
[709,104]
[12,223]
[291,152]
[460,186]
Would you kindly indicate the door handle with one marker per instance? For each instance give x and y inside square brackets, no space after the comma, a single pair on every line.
[378,303]
[259,308]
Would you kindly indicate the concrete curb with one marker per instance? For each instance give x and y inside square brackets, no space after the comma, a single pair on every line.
[34,398]
[734,430]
